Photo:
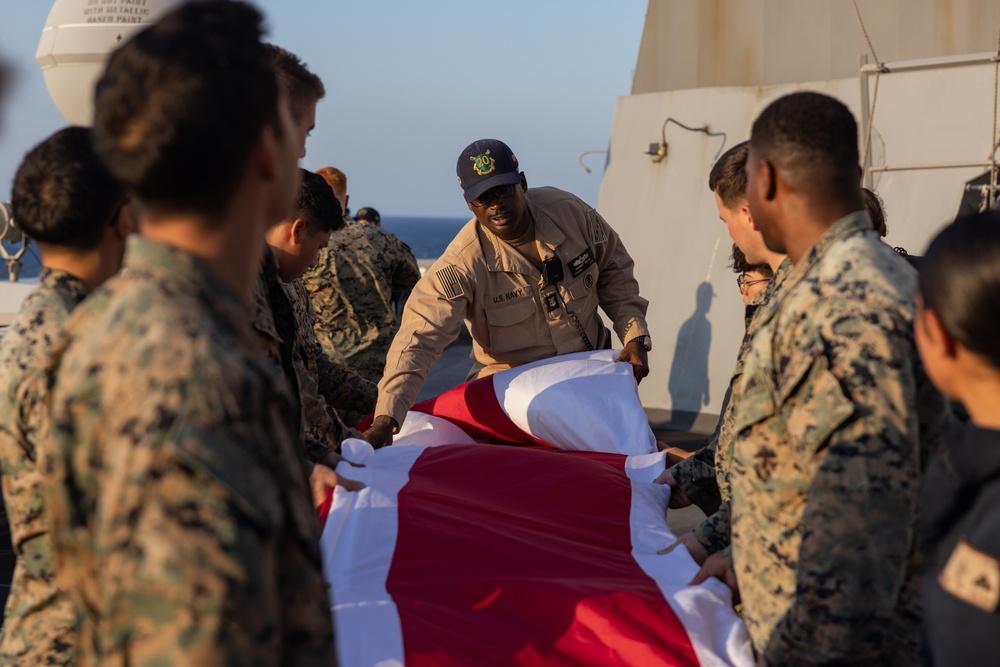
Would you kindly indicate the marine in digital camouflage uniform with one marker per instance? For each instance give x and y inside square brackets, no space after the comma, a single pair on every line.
[352,288]
[186,522]
[836,420]
[283,320]
[274,320]
[704,476]
[76,213]
[827,460]
[181,513]
[342,388]
[279,318]
[39,620]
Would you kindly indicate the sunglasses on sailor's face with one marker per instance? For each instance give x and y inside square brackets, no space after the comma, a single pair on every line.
[491,196]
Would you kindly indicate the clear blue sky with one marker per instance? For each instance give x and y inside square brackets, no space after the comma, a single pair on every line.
[409,84]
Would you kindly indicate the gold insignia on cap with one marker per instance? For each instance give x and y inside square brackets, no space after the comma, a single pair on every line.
[483,164]
[450,282]
[972,576]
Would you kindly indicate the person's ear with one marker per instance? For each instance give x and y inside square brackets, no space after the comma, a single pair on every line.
[770,180]
[126,222]
[745,212]
[524,181]
[948,344]
[297,231]
[942,342]
[469,204]
[265,159]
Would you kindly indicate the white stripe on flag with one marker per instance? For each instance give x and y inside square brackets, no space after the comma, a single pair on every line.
[716,633]
[366,621]
[583,401]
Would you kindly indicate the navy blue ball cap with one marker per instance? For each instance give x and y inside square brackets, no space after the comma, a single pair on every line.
[484,165]
[369,214]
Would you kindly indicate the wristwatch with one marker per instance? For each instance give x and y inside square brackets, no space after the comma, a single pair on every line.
[645,341]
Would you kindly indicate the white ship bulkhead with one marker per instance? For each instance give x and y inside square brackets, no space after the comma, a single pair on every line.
[718,64]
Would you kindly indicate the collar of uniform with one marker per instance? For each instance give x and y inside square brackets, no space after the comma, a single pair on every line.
[546,231]
[757,309]
[260,300]
[175,266]
[975,453]
[66,284]
[269,263]
[794,274]
[849,224]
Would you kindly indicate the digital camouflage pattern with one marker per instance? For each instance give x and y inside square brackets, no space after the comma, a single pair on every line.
[340,387]
[704,477]
[273,318]
[40,624]
[827,459]
[180,507]
[352,287]
[274,321]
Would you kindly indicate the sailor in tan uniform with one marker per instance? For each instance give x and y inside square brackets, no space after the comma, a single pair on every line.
[526,276]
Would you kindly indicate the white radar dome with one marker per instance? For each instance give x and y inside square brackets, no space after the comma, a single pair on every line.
[79,36]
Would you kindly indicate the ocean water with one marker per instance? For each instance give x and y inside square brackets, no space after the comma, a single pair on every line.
[30,261]
[426,236]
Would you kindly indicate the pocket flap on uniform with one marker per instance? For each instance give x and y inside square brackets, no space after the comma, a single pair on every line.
[800,361]
[755,402]
[582,286]
[510,313]
[821,407]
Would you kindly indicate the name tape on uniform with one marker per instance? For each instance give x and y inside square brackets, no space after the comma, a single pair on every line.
[581,262]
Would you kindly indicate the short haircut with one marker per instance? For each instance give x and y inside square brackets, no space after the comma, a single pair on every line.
[182,104]
[335,178]
[729,177]
[303,87]
[63,195]
[740,264]
[812,138]
[876,210]
[960,282]
[317,205]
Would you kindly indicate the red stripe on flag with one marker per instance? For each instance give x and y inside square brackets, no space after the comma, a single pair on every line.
[323,512]
[512,557]
[474,408]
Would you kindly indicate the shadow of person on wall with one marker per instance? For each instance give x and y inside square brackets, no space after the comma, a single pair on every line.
[688,383]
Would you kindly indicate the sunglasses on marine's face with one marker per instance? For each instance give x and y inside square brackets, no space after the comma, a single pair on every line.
[489,197]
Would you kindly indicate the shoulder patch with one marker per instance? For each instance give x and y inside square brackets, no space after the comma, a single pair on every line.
[598,228]
[972,576]
[450,282]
